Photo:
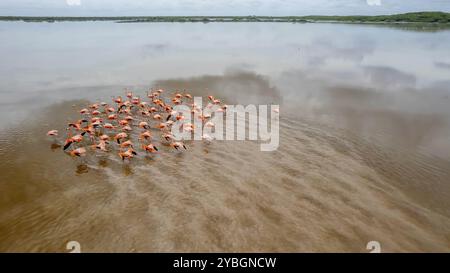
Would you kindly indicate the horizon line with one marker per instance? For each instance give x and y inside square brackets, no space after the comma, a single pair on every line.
[250,15]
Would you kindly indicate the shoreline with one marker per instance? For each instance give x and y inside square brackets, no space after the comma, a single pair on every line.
[399,24]
[422,18]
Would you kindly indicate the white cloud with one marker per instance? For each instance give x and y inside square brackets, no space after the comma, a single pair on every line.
[216,7]
[73,2]
[374,2]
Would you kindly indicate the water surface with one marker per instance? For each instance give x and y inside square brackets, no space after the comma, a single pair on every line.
[364,139]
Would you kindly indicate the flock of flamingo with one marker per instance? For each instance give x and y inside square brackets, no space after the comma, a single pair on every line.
[108,127]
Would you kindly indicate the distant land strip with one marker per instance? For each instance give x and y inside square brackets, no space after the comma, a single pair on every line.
[416,17]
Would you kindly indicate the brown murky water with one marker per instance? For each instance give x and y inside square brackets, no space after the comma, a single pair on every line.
[364,139]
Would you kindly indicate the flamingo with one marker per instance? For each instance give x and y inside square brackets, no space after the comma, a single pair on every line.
[112,117]
[127,111]
[110,110]
[130,153]
[96,124]
[158,102]
[89,129]
[178,145]
[189,127]
[168,108]
[145,135]
[126,144]
[77,124]
[104,137]
[109,126]
[52,133]
[168,136]
[96,119]
[161,126]
[100,146]
[123,116]
[78,152]
[120,136]
[127,128]
[76,138]
[136,100]
[144,125]
[117,100]
[94,106]
[119,109]
[204,117]
[150,148]
[171,114]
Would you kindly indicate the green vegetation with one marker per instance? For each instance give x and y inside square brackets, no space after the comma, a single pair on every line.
[417,17]
[136,19]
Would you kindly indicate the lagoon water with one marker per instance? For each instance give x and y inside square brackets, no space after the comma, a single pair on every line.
[364,139]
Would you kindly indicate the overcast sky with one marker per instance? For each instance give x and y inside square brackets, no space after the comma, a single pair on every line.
[216,7]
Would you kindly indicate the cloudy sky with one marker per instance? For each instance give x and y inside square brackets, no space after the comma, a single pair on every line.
[216,7]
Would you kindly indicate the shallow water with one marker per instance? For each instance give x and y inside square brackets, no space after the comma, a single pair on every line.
[364,139]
